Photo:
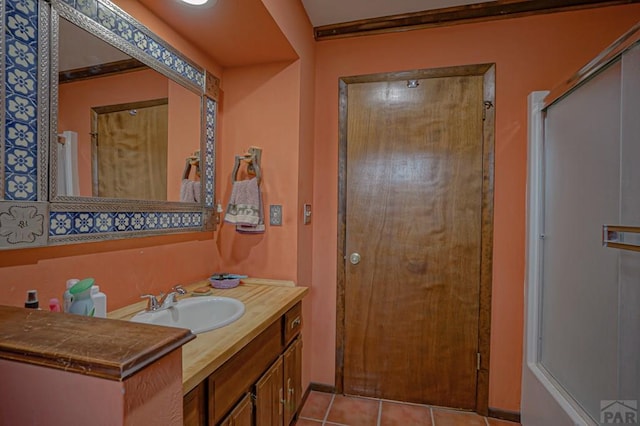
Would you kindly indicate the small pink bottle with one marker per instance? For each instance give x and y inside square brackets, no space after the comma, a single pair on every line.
[54,305]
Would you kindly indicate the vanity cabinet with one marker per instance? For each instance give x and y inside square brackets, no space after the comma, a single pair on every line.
[193,406]
[292,380]
[265,374]
[269,394]
[242,414]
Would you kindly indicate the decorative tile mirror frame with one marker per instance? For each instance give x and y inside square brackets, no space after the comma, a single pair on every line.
[28,217]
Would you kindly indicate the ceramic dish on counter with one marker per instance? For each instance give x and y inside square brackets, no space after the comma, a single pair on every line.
[224,280]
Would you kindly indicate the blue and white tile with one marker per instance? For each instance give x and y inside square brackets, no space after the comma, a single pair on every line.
[61,223]
[83,222]
[20,187]
[122,222]
[138,221]
[88,8]
[103,222]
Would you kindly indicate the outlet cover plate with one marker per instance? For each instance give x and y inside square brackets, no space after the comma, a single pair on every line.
[275,215]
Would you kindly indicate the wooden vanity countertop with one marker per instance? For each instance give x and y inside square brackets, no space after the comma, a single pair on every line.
[92,346]
[265,301]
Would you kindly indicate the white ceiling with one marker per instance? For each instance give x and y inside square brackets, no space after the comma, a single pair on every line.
[326,12]
[80,49]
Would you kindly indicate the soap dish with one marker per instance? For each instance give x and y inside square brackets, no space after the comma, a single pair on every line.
[201,291]
[224,283]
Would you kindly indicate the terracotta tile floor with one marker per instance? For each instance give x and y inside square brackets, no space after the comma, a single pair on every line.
[328,409]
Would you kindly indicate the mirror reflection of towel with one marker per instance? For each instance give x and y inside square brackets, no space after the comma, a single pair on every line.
[245,207]
[189,191]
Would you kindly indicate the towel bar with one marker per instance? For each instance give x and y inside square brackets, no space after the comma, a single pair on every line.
[621,237]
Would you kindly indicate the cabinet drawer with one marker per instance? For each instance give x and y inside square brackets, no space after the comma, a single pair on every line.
[292,323]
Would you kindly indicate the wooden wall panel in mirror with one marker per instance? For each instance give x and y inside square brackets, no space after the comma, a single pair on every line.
[63,63]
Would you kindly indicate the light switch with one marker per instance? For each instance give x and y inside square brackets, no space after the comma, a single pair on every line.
[275,215]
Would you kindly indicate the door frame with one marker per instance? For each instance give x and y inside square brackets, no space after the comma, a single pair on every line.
[486,249]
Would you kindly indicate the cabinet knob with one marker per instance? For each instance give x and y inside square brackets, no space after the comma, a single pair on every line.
[354,258]
[296,322]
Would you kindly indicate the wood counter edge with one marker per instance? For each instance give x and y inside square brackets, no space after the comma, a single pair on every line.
[111,369]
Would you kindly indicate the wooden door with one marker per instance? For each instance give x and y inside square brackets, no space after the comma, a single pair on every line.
[292,359]
[416,215]
[130,151]
[269,394]
[242,414]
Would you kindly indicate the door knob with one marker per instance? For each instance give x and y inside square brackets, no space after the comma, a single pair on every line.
[354,258]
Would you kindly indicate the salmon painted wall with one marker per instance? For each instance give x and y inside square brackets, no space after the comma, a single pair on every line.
[532,53]
[272,106]
[294,23]
[124,269]
[259,108]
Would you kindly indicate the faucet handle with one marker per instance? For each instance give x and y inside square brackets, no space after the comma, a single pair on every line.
[153,304]
[179,289]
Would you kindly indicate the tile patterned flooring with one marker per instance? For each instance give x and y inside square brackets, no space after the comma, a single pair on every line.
[325,409]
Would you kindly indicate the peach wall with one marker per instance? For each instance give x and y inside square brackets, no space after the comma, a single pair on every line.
[35,395]
[76,100]
[294,23]
[260,107]
[532,53]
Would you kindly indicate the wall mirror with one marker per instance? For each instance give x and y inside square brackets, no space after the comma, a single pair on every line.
[124,129]
[110,130]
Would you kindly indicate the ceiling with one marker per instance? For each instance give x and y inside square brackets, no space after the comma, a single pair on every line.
[242,32]
[233,32]
[327,12]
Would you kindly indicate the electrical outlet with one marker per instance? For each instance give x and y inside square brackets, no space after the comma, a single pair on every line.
[275,215]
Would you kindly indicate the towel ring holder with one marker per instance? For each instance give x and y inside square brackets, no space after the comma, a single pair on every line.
[253,158]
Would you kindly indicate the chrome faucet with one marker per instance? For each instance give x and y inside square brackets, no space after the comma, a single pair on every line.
[166,300]
[169,299]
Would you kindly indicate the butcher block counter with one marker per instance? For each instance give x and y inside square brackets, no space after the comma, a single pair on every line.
[265,302]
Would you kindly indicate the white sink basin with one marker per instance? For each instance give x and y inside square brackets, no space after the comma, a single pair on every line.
[199,314]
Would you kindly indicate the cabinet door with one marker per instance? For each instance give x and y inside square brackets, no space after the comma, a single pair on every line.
[269,394]
[193,406]
[292,379]
[242,414]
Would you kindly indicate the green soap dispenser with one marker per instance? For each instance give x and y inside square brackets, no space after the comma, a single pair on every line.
[81,301]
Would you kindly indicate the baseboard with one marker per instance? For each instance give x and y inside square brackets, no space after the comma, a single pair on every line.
[320,387]
[512,416]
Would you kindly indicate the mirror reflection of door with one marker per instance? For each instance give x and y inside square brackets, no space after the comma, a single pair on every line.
[129,150]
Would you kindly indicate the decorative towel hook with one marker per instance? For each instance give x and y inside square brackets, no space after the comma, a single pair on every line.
[252,158]
[192,160]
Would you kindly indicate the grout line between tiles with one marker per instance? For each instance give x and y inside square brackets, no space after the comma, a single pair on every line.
[379,412]
[326,415]
[433,420]
[486,420]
